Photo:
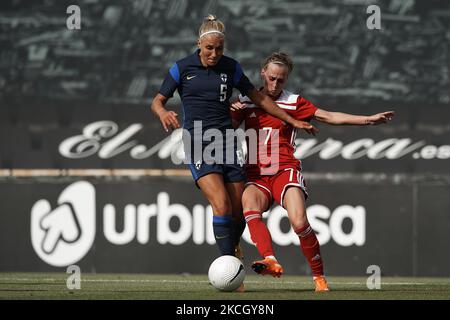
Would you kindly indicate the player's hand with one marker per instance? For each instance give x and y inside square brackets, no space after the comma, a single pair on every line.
[379,118]
[237,105]
[308,127]
[169,120]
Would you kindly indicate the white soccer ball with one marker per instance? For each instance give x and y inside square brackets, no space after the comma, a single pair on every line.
[226,273]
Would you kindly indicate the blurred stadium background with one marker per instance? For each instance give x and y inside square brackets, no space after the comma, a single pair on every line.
[86,175]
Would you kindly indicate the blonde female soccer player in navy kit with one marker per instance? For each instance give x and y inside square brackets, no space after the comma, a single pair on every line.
[204,81]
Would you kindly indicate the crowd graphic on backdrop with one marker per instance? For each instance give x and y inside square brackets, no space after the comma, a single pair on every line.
[330,37]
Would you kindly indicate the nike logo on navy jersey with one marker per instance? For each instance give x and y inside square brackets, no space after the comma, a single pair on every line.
[190,77]
[223,237]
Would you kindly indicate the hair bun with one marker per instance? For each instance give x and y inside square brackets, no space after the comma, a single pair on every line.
[211,17]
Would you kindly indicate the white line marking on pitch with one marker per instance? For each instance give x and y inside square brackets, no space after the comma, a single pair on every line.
[202,281]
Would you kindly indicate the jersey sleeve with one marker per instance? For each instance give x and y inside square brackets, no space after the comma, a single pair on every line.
[305,109]
[241,82]
[171,82]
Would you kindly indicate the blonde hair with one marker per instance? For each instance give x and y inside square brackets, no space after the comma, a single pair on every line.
[279,58]
[211,25]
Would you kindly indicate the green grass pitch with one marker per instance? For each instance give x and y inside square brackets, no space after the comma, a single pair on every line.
[197,287]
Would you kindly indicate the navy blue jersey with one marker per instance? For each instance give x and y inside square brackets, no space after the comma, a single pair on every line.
[205,91]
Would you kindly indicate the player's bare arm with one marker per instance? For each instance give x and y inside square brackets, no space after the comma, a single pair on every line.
[266,103]
[340,118]
[168,118]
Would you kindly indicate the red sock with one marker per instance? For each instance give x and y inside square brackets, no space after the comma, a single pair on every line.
[311,249]
[259,233]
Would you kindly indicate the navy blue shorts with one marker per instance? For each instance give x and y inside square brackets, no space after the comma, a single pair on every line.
[230,172]
[232,169]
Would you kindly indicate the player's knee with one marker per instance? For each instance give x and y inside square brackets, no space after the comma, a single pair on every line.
[299,221]
[248,204]
[221,206]
[253,203]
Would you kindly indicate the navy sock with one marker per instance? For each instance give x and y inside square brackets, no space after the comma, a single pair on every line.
[222,226]
[238,230]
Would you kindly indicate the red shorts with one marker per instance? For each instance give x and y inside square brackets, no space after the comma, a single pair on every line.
[275,186]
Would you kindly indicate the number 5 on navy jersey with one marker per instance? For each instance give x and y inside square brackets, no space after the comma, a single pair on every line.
[223,92]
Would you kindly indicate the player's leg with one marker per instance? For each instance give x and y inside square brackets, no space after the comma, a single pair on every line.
[294,202]
[213,187]
[255,202]
[235,191]
[235,177]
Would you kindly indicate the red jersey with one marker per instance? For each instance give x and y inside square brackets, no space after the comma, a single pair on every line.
[272,156]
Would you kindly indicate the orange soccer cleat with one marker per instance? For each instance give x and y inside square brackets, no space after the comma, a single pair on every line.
[321,284]
[268,266]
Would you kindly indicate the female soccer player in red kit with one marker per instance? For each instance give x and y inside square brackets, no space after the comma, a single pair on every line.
[280,179]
